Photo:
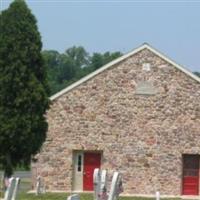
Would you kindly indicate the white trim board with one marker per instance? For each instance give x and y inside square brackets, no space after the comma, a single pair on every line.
[118,60]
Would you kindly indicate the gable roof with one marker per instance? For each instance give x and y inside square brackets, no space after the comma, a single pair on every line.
[116,61]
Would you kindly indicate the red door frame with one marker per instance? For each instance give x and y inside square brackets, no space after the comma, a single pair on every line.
[92,160]
[190,179]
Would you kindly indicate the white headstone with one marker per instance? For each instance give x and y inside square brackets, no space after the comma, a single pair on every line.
[103,186]
[2,181]
[116,187]
[10,189]
[103,179]
[16,188]
[38,186]
[157,195]
[96,183]
[73,197]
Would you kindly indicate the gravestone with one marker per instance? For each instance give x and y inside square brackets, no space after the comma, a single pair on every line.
[103,186]
[157,195]
[10,189]
[116,187]
[100,184]
[73,197]
[97,183]
[16,188]
[2,181]
[38,186]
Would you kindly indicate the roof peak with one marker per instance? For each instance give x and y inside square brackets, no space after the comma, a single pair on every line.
[103,68]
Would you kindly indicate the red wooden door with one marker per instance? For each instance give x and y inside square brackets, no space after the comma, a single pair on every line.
[190,175]
[91,161]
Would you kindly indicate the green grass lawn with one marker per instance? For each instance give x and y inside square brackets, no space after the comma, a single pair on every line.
[48,196]
[25,185]
[63,196]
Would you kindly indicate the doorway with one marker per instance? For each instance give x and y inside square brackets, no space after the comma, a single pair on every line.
[190,175]
[84,165]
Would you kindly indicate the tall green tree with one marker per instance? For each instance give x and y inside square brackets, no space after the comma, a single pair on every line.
[23,87]
[78,55]
[197,73]
[98,59]
[52,62]
[66,69]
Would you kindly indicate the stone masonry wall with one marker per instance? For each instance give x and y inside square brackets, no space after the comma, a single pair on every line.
[142,136]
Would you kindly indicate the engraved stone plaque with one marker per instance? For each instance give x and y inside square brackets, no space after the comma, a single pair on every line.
[145,88]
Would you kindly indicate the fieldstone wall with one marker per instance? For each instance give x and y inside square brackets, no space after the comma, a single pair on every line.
[142,136]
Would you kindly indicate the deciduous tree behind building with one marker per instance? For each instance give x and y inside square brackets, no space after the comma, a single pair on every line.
[23,87]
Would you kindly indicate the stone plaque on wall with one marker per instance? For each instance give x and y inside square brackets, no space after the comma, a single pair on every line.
[145,88]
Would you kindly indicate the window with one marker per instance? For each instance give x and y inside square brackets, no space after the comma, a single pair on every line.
[146,67]
[79,168]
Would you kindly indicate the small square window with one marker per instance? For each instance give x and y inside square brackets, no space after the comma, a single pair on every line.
[146,67]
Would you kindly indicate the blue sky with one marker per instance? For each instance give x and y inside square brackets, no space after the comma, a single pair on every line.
[173,27]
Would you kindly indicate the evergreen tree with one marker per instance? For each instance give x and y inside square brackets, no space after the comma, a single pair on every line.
[23,87]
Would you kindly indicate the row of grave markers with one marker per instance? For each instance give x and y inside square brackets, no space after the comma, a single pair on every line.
[100,186]
[13,187]
[99,182]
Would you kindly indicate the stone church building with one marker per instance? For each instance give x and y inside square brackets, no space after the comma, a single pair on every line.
[139,114]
